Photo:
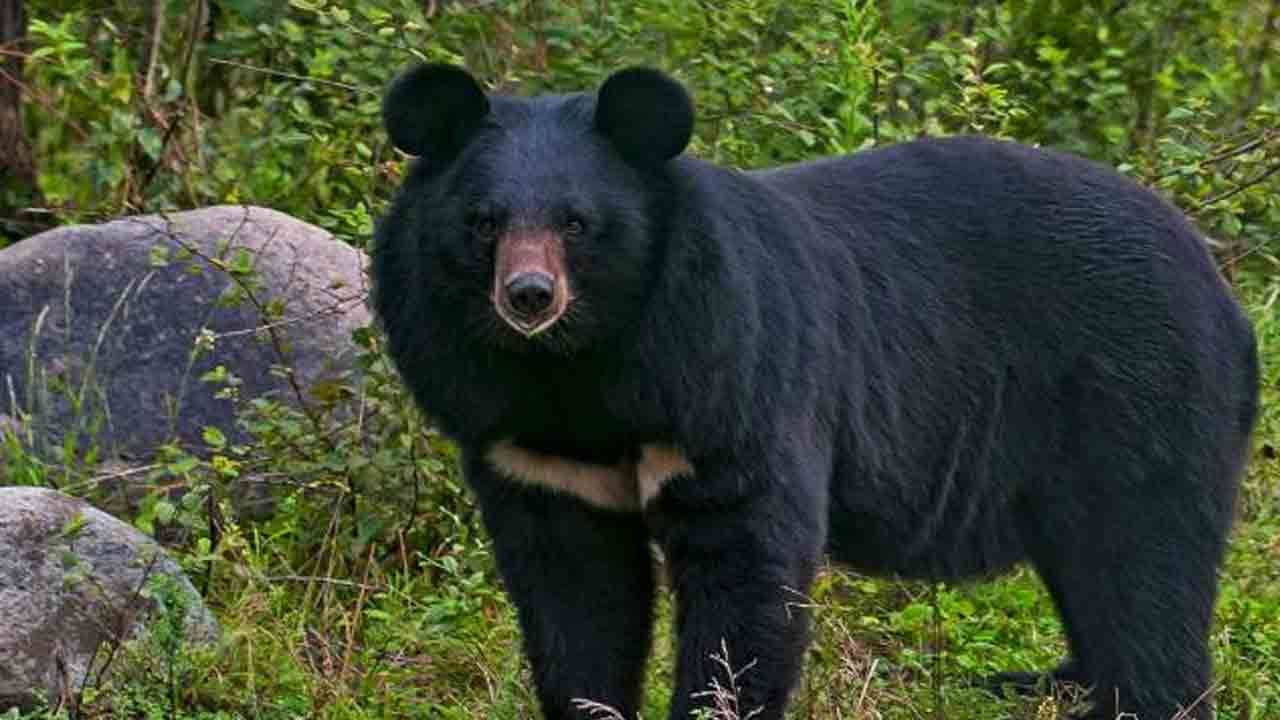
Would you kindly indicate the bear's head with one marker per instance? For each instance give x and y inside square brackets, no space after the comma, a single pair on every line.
[538,222]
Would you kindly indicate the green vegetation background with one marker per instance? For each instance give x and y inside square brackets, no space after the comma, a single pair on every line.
[371,592]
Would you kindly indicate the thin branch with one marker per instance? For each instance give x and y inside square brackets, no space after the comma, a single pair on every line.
[27,91]
[127,472]
[164,146]
[194,35]
[1266,137]
[1237,189]
[153,48]
[323,580]
[1262,140]
[94,676]
[278,343]
[338,307]
[292,76]
[1229,264]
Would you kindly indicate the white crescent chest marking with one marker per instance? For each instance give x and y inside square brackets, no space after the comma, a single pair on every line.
[626,486]
[657,465]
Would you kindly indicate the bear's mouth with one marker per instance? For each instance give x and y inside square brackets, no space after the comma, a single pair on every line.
[530,281]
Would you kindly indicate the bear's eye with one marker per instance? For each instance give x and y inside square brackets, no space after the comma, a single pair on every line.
[574,227]
[482,225]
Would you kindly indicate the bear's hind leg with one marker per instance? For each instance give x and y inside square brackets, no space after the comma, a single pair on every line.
[1135,579]
[1033,682]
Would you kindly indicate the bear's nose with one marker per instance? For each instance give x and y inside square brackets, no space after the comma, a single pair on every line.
[529,294]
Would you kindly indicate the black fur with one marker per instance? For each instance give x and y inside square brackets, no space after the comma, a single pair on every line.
[457,106]
[934,360]
[646,115]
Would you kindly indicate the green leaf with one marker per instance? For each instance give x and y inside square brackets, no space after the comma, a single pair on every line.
[159,256]
[214,438]
[183,465]
[71,528]
[241,262]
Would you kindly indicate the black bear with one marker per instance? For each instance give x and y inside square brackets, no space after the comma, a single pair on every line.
[933,360]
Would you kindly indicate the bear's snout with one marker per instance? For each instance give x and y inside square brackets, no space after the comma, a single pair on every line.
[530,294]
[530,280]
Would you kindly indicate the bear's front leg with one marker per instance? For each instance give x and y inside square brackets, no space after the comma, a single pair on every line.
[741,554]
[581,578]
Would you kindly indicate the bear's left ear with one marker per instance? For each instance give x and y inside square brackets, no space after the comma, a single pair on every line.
[647,115]
[432,110]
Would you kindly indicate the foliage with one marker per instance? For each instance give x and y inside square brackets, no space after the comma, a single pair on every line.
[369,591]
[277,103]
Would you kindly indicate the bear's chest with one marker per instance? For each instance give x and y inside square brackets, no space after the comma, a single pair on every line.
[568,420]
[565,436]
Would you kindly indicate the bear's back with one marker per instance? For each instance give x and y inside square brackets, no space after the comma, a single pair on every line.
[1032,245]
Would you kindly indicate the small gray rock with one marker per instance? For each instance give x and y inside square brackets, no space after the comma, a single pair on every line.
[67,596]
[119,313]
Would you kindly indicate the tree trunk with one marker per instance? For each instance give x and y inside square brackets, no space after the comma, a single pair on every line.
[18,188]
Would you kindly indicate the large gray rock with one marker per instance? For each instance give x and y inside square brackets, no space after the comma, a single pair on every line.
[97,331]
[68,593]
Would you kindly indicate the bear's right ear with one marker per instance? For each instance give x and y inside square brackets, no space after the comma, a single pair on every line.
[431,110]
